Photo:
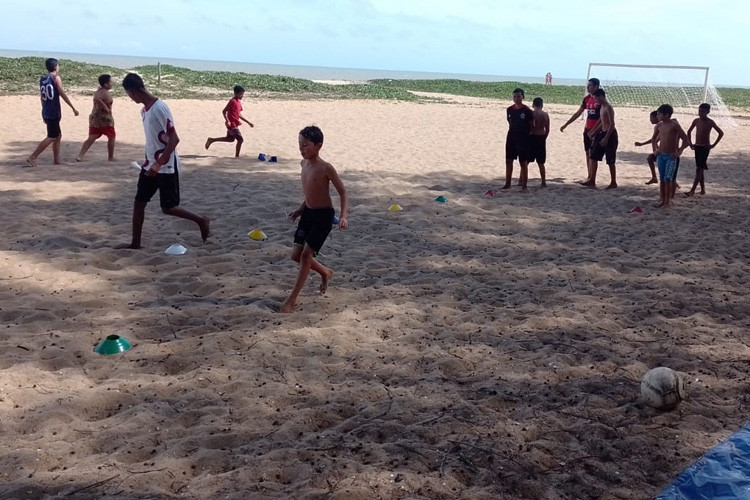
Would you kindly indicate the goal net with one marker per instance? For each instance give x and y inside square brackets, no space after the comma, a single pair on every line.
[649,86]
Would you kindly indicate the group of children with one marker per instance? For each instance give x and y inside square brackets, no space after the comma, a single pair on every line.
[526,142]
[160,169]
[528,131]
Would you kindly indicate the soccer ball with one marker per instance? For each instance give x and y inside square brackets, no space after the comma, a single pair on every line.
[662,388]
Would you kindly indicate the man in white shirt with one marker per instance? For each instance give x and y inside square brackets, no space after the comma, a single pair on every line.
[160,171]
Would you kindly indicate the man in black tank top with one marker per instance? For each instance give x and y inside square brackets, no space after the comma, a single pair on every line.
[517,142]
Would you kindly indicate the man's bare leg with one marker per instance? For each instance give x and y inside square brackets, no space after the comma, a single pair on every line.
[203,222]
[613,177]
[508,174]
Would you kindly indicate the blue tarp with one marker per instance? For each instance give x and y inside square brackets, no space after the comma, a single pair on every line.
[723,473]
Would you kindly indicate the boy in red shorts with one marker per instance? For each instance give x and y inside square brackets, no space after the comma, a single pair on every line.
[232,119]
[101,121]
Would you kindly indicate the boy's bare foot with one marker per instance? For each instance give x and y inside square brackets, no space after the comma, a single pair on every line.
[659,205]
[205,228]
[702,193]
[287,307]
[79,159]
[653,180]
[208,143]
[543,185]
[688,194]
[523,188]
[130,246]
[507,186]
[324,283]
[585,183]
[31,162]
[611,186]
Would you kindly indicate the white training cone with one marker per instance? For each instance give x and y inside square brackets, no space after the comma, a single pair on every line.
[175,249]
[135,165]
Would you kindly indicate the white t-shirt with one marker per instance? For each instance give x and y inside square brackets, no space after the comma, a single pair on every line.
[157,120]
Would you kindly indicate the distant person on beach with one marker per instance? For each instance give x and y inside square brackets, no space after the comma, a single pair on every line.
[232,119]
[592,117]
[669,141]
[316,211]
[703,126]
[101,121]
[604,140]
[538,138]
[517,142]
[51,90]
[548,79]
[160,171]
[651,158]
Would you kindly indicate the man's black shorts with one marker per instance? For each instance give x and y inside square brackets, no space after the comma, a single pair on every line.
[517,146]
[314,227]
[168,186]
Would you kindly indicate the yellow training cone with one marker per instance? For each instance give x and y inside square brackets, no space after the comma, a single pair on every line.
[395,208]
[257,235]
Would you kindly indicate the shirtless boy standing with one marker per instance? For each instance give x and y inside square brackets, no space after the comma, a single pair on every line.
[538,138]
[669,141]
[604,140]
[703,126]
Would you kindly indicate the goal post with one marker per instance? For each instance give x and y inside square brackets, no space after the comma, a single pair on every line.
[650,85]
[703,69]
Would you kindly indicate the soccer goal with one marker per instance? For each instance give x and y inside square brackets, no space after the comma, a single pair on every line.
[649,86]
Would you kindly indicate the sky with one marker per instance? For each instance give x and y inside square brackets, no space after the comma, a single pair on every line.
[493,37]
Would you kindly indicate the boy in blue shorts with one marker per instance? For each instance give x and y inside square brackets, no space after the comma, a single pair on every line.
[316,212]
[160,170]
[669,141]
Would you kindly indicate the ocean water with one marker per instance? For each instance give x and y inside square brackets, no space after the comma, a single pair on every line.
[306,72]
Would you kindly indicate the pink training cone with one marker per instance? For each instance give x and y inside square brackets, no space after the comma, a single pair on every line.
[636,210]
[489,192]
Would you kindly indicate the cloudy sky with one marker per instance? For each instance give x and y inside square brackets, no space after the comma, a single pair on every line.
[496,37]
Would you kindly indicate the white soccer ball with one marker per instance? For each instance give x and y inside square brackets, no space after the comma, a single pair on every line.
[662,388]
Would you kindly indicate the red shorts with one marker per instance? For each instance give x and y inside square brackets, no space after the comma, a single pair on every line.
[108,131]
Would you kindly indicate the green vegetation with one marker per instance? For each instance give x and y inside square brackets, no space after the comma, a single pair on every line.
[20,76]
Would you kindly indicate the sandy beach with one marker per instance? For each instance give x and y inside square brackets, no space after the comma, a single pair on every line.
[489,347]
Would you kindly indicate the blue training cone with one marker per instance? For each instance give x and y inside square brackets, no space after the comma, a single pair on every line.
[261,157]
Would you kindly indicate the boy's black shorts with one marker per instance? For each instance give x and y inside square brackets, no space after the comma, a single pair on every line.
[168,186]
[314,227]
[53,129]
[599,152]
[517,146]
[538,149]
[701,156]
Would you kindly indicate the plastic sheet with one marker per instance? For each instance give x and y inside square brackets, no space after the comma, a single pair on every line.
[723,473]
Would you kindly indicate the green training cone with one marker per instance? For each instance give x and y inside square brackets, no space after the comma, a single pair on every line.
[113,344]
[441,199]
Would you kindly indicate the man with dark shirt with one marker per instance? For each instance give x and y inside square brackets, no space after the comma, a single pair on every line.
[517,143]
